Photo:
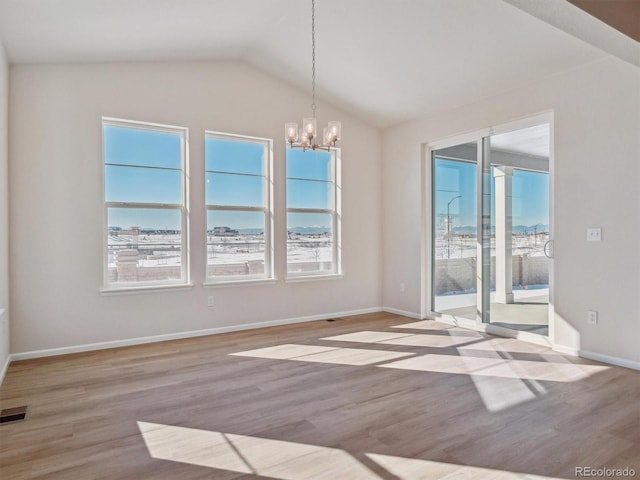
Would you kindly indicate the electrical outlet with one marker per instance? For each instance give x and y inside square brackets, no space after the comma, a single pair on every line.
[592,317]
[402,287]
[210,301]
[594,234]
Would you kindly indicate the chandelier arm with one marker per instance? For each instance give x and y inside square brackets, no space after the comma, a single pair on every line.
[313,146]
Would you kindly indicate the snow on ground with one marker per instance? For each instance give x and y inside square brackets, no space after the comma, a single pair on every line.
[466,246]
[164,249]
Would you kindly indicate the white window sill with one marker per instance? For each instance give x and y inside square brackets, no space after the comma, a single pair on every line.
[313,278]
[144,289]
[239,283]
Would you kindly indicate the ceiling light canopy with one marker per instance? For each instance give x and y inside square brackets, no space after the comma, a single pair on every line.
[306,137]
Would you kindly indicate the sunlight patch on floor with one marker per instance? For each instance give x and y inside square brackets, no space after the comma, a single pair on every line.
[312,353]
[245,454]
[438,363]
[501,380]
[193,446]
[432,325]
[287,351]
[425,325]
[417,469]
[284,460]
[497,344]
[366,336]
[410,340]
[501,393]
[498,367]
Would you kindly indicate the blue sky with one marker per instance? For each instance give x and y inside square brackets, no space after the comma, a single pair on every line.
[309,186]
[530,194]
[234,176]
[129,149]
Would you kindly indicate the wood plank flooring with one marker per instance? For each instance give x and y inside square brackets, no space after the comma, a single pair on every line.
[375,396]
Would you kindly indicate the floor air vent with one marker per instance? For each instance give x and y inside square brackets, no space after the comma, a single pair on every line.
[13,414]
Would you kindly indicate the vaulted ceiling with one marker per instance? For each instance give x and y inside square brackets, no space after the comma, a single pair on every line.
[623,15]
[386,61]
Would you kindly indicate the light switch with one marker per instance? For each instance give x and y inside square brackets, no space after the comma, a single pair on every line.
[594,234]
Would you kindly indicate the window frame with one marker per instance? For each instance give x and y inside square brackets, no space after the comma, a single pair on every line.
[335,211]
[183,208]
[267,209]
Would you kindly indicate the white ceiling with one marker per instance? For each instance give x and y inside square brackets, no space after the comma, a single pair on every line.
[386,61]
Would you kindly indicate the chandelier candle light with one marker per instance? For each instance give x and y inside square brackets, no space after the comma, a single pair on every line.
[305,138]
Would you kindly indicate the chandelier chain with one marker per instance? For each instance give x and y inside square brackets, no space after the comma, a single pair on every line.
[313,57]
[308,137]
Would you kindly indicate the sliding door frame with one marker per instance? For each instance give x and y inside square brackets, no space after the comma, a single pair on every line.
[482,139]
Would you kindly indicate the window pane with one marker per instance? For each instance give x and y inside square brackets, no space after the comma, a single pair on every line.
[312,165]
[454,235]
[309,194]
[530,198]
[235,243]
[529,228]
[235,190]
[140,184]
[142,147]
[234,156]
[144,245]
[309,242]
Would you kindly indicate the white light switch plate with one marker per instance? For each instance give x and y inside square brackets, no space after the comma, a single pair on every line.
[594,234]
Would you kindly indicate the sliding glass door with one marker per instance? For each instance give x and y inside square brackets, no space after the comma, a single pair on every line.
[455,219]
[490,223]
[519,169]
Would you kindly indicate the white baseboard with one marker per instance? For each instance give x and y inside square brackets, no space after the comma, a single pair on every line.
[404,313]
[179,335]
[541,340]
[621,362]
[598,357]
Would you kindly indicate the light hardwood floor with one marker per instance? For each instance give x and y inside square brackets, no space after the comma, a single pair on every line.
[376,396]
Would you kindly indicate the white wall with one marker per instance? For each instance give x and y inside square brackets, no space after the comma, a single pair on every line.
[597,173]
[4,213]
[56,206]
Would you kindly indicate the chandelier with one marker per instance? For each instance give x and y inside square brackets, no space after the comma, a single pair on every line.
[305,138]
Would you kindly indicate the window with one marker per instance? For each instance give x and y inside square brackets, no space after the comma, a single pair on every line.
[238,200]
[145,193]
[313,212]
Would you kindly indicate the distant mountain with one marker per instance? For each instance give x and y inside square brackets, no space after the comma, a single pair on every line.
[310,230]
[521,229]
[464,229]
[539,228]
